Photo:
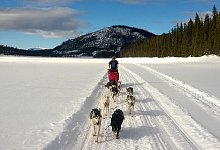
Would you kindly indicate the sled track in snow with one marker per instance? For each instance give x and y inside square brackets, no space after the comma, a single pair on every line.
[150,128]
[211,103]
[166,125]
[78,125]
[182,120]
[153,126]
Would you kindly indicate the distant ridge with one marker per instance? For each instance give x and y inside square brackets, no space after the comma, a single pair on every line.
[105,42]
[102,43]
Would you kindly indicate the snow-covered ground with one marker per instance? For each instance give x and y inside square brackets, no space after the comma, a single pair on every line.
[45,103]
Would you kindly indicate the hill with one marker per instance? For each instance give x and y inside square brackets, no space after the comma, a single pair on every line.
[102,43]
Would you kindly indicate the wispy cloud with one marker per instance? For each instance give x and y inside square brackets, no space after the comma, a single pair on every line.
[203,1]
[47,22]
[143,1]
[49,2]
[192,15]
[132,1]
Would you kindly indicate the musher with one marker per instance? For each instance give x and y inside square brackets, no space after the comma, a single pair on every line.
[113,64]
[113,73]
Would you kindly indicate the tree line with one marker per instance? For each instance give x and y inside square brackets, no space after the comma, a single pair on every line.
[197,37]
[7,50]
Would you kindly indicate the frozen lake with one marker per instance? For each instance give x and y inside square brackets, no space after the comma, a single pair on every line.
[39,95]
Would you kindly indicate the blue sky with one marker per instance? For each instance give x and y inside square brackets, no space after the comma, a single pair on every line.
[48,23]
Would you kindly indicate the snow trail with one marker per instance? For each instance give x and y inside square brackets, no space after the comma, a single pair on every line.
[78,125]
[194,131]
[46,103]
[158,123]
[208,102]
[192,100]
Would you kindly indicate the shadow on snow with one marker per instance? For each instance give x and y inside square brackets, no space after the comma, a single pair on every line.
[76,123]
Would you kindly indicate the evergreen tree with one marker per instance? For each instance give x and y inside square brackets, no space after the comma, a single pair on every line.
[191,39]
[206,35]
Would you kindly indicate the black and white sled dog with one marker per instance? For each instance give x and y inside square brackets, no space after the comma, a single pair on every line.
[104,104]
[113,89]
[109,86]
[95,118]
[114,92]
[116,121]
[119,87]
[130,103]
[129,91]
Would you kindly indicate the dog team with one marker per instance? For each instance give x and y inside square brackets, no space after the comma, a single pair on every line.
[96,115]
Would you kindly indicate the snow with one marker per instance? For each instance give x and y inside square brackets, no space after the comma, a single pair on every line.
[45,103]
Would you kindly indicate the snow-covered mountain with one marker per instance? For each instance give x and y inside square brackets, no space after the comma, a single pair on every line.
[102,43]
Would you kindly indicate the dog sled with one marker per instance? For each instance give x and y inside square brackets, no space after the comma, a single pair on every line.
[113,75]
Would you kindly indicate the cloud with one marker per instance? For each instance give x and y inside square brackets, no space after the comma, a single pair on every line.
[47,22]
[165,1]
[203,1]
[132,1]
[192,15]
[48,2]
[201,14]
[142,1]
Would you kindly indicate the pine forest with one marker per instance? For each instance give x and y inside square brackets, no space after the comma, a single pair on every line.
[197,37]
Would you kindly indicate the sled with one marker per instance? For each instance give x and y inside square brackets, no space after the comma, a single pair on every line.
[113,75]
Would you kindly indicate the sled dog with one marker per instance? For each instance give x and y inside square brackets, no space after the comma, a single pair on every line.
[119,86]
[104,104]
[116,121]
[114,92]
[109,86]
[129,91]
[95,118]
[130,103]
